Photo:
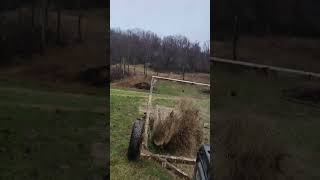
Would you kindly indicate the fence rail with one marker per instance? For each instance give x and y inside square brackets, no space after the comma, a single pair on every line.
[266,67]
[179,80]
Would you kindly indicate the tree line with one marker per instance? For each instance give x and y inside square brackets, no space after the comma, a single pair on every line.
[171,53]
[271,17]
[24,24]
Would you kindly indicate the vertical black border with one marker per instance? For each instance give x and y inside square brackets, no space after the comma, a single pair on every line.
[211,90]
[107,119]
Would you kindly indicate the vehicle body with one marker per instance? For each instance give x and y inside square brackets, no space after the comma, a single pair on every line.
[202,167]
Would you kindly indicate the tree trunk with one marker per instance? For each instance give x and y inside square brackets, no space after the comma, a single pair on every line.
[124,67]
[183,71]
[79,27]
[58,25]
[146,69]
[46,21]
[134,66]
[43,25]
[235,37]
[32,14]
[128,68]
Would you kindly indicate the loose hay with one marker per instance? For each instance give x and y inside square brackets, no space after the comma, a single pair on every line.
[179,129]
[250,149]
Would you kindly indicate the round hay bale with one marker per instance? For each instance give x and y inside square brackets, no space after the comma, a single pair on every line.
[178,130]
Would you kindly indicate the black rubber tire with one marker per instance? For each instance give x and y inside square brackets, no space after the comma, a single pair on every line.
[135,140]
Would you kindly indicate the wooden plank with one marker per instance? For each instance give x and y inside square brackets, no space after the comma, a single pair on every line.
[146,124]
[267,67]
[164,163]
[179,80]
[175,159]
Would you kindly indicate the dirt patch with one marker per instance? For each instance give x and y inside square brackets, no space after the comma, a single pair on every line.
[310,93]
[178,130]
[96,76]
[143,85]
[132,82]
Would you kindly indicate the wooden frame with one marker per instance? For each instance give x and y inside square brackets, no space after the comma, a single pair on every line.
[165,160]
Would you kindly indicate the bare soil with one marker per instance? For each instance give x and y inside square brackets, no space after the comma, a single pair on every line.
[143,85]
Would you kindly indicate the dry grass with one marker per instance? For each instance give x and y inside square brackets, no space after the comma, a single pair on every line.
[131,81]
[248,149]
[138,71]
[179,130]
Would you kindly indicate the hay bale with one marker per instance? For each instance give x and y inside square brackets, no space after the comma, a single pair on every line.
[161,129]
[179,129]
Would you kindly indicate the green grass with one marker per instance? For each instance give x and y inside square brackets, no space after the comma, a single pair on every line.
[261,97]
[49,135]
[125,105]
[124,110]
[179,89]
[42,98]
[165,102]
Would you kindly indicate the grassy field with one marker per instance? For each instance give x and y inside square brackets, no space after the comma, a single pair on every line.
[126,105]
[51,135]
[247,94]
[138,71]
[53,126]
[124,110]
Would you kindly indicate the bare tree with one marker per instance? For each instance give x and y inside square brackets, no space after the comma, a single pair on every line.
[170,53]
[235,37]
[58,24]
[43,24]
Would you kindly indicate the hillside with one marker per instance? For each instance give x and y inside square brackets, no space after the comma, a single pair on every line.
[65,63]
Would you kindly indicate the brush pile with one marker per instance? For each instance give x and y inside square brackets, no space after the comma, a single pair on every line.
[178,130]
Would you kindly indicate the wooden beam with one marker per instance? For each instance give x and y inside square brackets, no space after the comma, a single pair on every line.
[164,163]
[179,80]
[174,159]
[146,124]
[266,67]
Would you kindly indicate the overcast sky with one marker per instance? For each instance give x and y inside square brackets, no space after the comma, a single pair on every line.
[190,18]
